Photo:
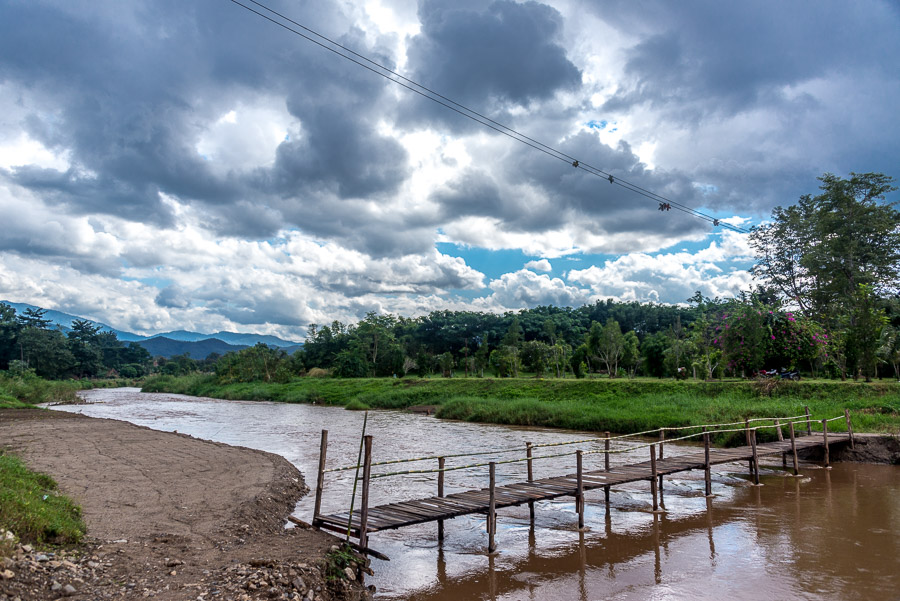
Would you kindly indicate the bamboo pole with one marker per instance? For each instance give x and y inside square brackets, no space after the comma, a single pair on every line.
[606,467]
[364,510]
[780,435]
[755,458]
[579,494]
[320,480]
[492,509]
[528,453]
[747,435]
[707,472]
[808,424]
[849,428]
[825,440]
[441,494]
[653,477]
[794,449]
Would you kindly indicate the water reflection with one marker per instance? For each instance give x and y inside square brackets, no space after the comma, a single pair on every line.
[829,534]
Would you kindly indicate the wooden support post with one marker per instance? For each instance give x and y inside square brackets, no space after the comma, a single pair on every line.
[794,449]
[707,472]
[747,434]
[364,509]
[780,436]
[440,494]
[662,439]
[849,428]
[825,440]
[528,451]
[755,457]
[808,424]
[606,467]
[492,509]
[653,477]
[579,492]
[320,480]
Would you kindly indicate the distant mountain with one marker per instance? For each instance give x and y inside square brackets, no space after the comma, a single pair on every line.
[64,320]
[160,346]
[232,340]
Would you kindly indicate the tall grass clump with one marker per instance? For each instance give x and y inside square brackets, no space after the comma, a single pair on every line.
[30,389]
[32,508]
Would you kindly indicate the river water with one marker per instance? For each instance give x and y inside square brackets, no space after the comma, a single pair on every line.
[831,534]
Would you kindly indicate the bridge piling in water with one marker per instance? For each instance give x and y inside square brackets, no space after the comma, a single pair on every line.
[488,501]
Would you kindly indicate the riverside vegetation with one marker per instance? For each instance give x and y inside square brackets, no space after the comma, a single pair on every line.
[617,405]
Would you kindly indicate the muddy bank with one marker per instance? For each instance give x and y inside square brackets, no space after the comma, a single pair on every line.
[868,448]
[168,517]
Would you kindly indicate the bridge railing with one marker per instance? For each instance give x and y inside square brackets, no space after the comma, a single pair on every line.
[366,464]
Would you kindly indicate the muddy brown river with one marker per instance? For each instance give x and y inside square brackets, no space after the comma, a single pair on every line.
[830,534]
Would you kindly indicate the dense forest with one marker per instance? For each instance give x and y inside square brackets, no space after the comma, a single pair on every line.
[826,304]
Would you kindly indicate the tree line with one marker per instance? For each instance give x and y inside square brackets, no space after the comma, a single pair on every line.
[826,303]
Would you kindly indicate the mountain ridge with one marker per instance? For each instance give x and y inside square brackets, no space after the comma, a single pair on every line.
[229,339]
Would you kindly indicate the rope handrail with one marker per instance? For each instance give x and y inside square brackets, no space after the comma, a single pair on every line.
[557,444]
[594,452]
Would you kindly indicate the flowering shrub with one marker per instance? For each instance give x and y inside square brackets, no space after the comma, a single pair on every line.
[753,336]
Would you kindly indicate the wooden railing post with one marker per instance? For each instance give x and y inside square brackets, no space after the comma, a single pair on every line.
[662,440]
[747,434]
[320,480]
[780,436]
[794,449]
[492,509]
[755,458]
[364,510]
[653,477]
[849,428]
[808,424]
[579,491]
[825,440]
[707,471]
[528,453]
[440,494]
[606,467]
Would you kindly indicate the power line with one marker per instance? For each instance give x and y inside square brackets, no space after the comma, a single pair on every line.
[665,203]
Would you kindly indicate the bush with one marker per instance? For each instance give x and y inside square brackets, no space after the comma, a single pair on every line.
[317,372]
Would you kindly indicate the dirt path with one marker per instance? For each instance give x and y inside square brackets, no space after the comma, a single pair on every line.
[168,516]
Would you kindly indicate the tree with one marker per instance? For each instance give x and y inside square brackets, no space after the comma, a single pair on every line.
[653,351]
[9,333]
[889,348]
[84,343]
[631,353]
[610,346]
[818,252]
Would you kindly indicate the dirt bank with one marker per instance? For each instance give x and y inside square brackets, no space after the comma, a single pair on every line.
[169,517]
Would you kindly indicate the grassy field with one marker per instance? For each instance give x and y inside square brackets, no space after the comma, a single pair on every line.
[32,508]
[620,405]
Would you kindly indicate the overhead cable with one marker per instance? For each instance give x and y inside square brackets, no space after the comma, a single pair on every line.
[309,34]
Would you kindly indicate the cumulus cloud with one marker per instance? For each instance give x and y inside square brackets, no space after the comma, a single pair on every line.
[540,265]
[211,171]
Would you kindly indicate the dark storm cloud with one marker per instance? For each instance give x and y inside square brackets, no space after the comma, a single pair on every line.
[135,85]
[487,57]
[564,194]
[723,57]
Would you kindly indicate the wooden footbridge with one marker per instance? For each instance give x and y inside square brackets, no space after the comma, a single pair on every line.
[360,523]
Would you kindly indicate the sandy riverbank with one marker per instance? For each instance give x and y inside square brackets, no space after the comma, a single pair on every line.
[169,516]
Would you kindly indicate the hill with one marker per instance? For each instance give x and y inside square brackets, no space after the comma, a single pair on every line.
[232,340]
[196,349]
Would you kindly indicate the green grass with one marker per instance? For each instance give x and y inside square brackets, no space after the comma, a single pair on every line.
[618,405]
[28,390]
[32,508]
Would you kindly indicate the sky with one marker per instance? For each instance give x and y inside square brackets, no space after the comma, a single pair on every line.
[189,165]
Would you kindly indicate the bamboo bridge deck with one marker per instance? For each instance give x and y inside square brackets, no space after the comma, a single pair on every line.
[416,511]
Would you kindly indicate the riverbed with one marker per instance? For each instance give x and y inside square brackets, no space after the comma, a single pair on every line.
[830,534]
